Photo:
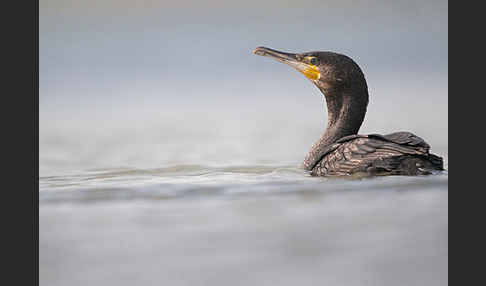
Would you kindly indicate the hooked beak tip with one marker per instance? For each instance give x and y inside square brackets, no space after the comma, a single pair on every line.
[260,51]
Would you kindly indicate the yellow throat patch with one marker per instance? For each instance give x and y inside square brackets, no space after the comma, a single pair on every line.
[310,71]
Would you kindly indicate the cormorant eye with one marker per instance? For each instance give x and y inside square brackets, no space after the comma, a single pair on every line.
[314,60]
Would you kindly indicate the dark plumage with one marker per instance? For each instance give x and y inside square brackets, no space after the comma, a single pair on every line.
[340,151]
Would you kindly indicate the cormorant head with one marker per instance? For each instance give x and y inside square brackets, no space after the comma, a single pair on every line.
[331,72]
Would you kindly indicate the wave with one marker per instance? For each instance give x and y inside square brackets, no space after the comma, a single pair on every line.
[200,181]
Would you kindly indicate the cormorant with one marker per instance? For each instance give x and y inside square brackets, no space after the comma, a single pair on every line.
[341,151]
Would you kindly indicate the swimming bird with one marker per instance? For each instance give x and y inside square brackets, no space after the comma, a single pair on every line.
[341,151]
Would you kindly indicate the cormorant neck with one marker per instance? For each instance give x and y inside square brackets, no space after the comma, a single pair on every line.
[346,111]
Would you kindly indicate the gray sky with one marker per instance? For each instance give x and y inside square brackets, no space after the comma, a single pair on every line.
[121,61]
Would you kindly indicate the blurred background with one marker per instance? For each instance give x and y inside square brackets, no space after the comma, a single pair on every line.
[169,153]
[151,83]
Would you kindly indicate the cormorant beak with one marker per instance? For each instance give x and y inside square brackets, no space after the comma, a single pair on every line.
[293,60]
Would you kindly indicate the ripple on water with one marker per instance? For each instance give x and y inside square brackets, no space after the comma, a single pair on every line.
[189,181]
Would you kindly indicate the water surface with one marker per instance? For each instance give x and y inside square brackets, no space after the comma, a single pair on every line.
[241,225]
